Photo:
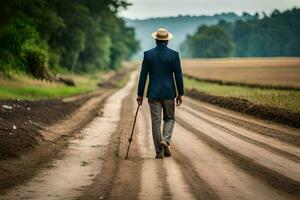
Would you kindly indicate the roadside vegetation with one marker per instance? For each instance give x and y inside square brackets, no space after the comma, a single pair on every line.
[26,88]
[42,37]
[286,99]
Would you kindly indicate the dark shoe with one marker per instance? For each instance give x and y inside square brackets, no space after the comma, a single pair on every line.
[159,155]
[166,148]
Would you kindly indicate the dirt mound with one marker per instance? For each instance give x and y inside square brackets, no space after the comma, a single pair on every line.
[265,112]
[66,81]
[19,122]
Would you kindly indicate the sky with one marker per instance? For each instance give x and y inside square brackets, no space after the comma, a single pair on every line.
[142,9]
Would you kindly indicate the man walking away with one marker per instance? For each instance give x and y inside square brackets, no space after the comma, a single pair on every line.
[163,65]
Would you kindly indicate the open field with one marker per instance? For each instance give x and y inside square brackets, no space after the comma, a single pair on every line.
[261,71]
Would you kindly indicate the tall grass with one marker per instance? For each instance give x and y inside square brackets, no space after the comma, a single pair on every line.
[24,87]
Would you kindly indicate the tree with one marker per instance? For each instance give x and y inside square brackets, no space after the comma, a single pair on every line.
[210,42]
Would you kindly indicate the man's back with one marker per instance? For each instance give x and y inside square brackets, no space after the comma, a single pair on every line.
[161,63]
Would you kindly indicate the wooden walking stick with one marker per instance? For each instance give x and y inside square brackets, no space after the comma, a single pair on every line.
[130,139]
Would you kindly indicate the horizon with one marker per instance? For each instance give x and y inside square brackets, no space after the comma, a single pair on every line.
[192,15]
[145,9]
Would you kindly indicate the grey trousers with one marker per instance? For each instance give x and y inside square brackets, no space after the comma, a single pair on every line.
[167,106]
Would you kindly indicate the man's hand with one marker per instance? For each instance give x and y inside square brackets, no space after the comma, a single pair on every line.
[139,100]
[179,100]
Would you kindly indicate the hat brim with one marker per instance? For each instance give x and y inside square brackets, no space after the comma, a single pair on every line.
[170,36]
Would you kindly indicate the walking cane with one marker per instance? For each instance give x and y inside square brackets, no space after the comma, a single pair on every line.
[130,139]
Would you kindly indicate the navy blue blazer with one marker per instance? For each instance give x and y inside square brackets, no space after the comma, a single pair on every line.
[161,63]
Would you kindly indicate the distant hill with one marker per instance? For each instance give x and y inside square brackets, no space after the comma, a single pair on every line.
[180,26]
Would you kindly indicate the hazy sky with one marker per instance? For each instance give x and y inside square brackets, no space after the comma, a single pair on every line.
[158,8]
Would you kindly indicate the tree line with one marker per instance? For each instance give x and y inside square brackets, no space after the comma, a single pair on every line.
[262,36]
[77,35]
[180,26]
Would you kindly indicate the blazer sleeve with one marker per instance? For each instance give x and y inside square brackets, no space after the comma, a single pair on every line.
[178,76]
[143,77]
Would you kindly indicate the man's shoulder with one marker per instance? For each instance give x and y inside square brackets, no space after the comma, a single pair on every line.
[149,51]
[172,51]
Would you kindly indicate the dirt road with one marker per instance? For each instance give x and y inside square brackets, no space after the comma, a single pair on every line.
[217,154]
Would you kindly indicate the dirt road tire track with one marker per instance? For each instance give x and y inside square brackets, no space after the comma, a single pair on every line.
[265,174]
[198,186]
[288,151]
[105,183]
[158,188]
[282,133]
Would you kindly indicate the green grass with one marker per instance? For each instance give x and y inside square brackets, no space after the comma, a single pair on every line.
[286,99]
[32,93]
[24,87]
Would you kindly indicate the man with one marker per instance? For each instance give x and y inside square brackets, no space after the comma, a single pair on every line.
[163,65]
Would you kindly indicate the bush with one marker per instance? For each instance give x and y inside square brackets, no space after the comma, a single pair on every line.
[22,49]
[35,61]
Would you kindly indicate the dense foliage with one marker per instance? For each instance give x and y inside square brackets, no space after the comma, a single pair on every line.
[274,35]
[210,42]
[79,35]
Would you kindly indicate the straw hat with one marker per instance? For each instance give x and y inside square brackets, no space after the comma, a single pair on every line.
[162,34]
